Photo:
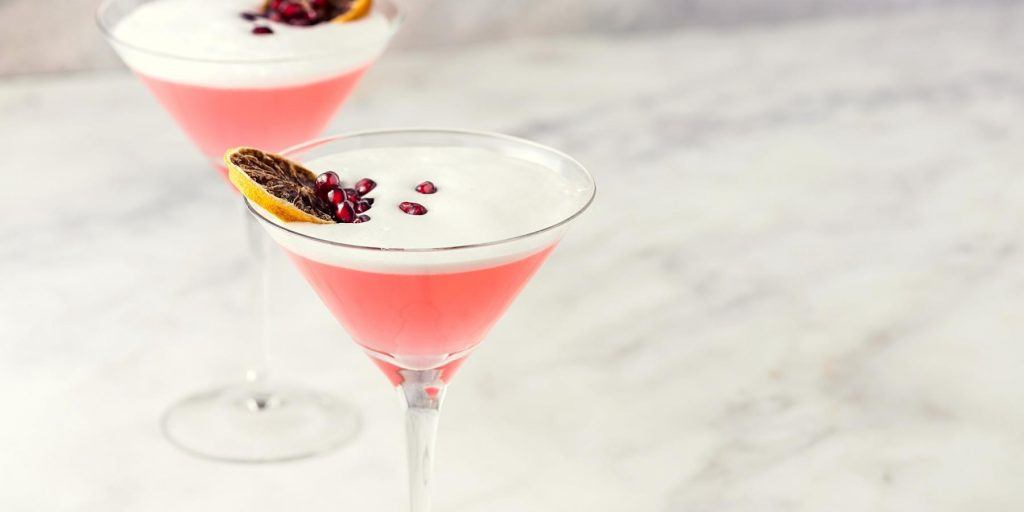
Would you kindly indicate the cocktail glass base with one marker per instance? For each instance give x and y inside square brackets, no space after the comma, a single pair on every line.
[245,424]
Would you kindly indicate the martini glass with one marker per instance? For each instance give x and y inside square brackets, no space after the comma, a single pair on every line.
[224,103]
[418,313]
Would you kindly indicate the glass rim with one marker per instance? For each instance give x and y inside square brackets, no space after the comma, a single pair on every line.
[108,33]
[395,131]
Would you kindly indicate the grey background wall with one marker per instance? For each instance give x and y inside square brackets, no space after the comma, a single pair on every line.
[59,35]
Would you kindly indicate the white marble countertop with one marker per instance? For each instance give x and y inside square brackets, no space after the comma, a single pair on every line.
[799,290]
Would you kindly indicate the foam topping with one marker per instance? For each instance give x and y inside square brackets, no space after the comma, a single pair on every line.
[203,42]
[481,196]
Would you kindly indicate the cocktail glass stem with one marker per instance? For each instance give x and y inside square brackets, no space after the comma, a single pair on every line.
[257,375]
[422,392]
[258,371]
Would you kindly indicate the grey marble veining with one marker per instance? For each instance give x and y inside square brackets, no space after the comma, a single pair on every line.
[798,290]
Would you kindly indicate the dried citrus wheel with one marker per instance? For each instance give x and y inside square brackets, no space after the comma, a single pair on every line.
[357,9]
[281,186]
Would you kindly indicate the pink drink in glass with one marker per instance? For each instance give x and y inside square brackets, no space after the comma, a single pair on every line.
[228,84]
[419,288]
[273,117]
[433,319]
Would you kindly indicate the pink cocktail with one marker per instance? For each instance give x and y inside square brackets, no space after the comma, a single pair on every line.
[270,74]
[217,118]
[458,224]
[419,321]
[228,84]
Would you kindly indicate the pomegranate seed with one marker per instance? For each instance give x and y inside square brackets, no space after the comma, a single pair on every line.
[361,218]
[326,182]
[301,12]
[335,196]
[351,195]
[344,212]
[365,185]
[362,206]
[305,12]
[412,208]
[368,200]
[262,30]
[426,188]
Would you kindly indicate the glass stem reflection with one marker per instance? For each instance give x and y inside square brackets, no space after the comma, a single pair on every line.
[422,392]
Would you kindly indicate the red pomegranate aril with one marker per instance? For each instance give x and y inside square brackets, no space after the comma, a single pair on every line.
[351,195]
[368,200]
[327,182]
[412,208]
[262,30]
[304,12]
[335,196]
[426,188]
[362,206]
[365,185]
[361,218]
[345,213]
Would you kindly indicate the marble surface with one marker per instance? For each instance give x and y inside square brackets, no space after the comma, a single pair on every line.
[799,289]
[32,45]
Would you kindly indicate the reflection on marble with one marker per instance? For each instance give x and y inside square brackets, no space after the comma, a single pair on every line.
[799,288]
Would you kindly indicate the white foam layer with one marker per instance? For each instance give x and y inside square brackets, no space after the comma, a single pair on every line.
[483,196]
[204,42]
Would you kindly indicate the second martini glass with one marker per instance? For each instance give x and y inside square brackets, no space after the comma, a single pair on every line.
[418,312]
[270,95]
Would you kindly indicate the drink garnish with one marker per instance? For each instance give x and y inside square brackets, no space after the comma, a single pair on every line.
[335,196]
[427,187]
[325,183]
[351,195]
[345,213]
[311,12]
[284,188]
[412,208]
[347,202]
[292,192]
[365,185]
[356,9]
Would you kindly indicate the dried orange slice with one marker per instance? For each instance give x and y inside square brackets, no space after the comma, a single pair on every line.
[281,186]
[356,10]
